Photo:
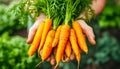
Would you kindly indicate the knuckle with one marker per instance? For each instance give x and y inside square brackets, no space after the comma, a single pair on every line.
[89,28]
[93,36]
[31,29]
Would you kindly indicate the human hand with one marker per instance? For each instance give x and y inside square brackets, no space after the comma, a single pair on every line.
[88,31]
[34,28]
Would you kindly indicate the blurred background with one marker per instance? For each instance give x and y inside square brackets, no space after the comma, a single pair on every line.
[105,55]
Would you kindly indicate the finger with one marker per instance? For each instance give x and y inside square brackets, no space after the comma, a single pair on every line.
[84,34]
[33,29]
[88,31]
[31,34]
[48,59]
[52,61]
[90,35]
[72,56]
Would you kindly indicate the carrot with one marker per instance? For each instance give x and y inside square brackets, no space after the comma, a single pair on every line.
[46,28]
[75,46]
[36,41]
[64,34]
[68,49]
[57,34]
[80,37]
[47,48]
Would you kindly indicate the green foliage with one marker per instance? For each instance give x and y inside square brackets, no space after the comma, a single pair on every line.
[107,49]
[13,53]
[51,8]
[8,20]
[5,1]
[110,16]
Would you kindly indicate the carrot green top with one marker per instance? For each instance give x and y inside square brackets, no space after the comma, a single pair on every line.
[60,11]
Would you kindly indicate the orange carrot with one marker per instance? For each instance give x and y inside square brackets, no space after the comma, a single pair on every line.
[68,49]
[80,37]
[36,41]
[64,34]
[56,39]
[75,46]
[46,28]
[47,48]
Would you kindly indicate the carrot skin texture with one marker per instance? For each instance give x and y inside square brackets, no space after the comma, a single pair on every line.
[68,49]
[75,46]
[80,37]
[64,35]
[46,28]
[36,41]
[47,48]
[56,39]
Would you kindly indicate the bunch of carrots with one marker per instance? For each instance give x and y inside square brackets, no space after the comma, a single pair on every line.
[60,37]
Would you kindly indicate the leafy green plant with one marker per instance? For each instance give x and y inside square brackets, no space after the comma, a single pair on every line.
[107,49]
[110,16]
[8,20]
[13,53]
[32,9]
[5,1]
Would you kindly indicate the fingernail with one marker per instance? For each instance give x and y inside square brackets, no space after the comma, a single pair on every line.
[93,42]
[27,41]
